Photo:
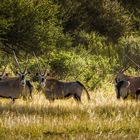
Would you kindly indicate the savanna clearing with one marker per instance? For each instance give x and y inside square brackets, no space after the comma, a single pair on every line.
[104,117]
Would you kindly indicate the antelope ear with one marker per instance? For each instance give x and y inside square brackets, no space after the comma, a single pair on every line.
[37,74]
[48,74]
[16,72]
[6,74]
[28,72]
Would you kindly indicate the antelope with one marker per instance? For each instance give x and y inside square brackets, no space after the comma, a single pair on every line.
[28,83]
[15,87]
[127,85]
[55,89]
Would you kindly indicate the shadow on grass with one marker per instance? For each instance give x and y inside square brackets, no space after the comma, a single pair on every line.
[52,133]
[49,110]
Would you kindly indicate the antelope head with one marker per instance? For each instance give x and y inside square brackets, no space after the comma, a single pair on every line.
[120,74]
[21,74]
[41,75]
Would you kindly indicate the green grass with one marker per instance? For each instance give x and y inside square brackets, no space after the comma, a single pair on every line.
[104,117]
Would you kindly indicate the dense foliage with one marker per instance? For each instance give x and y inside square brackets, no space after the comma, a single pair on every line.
[76,40]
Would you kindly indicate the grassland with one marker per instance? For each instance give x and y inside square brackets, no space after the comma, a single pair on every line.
[104,117]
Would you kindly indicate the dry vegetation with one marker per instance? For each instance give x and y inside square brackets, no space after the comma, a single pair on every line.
[104,117]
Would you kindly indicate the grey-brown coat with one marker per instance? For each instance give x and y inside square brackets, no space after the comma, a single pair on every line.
[126,85]
[55,89]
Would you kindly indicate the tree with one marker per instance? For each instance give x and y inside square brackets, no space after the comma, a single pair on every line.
[27,25]
[105,17]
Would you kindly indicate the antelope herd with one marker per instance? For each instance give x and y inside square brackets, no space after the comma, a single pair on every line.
[19,86]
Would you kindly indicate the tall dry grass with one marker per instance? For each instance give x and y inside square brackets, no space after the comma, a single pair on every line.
[104,117]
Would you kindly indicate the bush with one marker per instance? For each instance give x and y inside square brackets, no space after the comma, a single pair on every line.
[129,46]
[92,70]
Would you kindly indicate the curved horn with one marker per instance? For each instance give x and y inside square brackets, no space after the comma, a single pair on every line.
[123,70]
[4,69]
[45,71]
[27,60]
[16,60]
[133,61]
[37,62]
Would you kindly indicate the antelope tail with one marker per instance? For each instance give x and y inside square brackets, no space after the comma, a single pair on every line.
[88,96]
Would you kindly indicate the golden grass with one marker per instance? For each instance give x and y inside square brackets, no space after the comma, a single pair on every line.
[104,117]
